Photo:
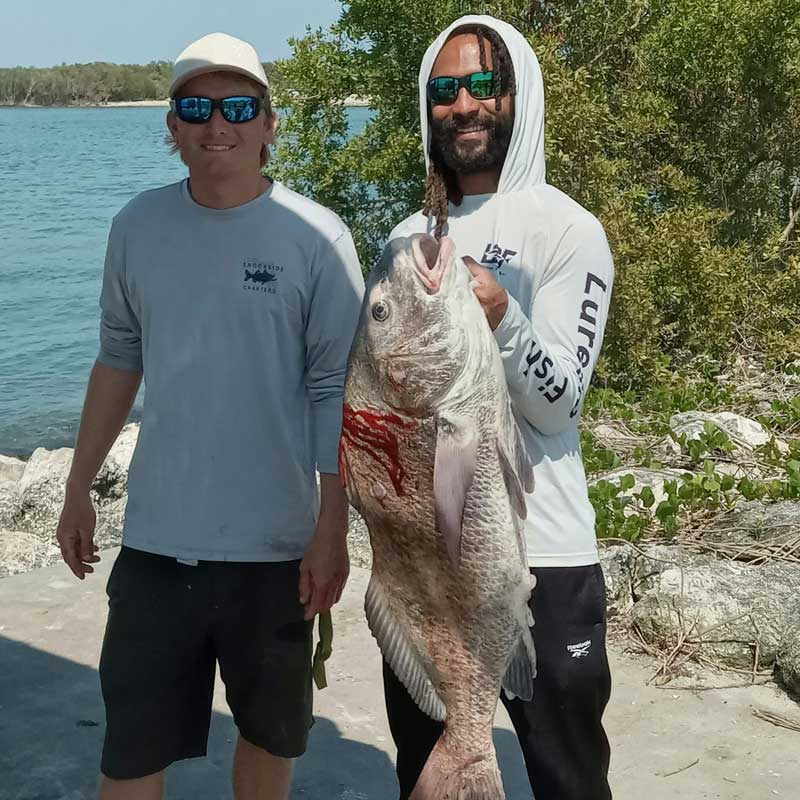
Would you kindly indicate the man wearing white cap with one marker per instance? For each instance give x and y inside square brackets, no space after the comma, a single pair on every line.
[236,299]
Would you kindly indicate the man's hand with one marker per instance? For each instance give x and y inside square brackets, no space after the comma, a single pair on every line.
[326,564]
[75,533]
[492,296]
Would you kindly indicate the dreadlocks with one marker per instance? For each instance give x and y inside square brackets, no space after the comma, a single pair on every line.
[442,186]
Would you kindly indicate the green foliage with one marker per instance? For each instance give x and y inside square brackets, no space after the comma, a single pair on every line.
[783,414]
[625,514]
[596,457]
[617,514]
[91,84]
[674,121]
[711,442]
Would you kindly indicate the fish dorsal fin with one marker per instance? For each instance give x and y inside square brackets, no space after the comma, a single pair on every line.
[399,652]
[514,461]
[453,471]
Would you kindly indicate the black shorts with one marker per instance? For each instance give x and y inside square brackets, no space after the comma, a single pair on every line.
[168,625]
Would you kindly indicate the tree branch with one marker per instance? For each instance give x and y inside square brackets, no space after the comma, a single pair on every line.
[794,213]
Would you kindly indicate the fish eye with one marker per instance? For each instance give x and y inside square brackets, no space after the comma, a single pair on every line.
[381,311]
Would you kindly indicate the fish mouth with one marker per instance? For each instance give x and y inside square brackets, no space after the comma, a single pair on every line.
[431,258]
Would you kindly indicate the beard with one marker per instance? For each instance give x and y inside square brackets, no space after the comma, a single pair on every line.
[470,157]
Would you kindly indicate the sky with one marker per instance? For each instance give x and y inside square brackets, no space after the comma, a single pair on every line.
[44,33]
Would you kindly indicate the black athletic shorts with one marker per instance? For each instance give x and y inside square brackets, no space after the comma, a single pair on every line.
[168,625]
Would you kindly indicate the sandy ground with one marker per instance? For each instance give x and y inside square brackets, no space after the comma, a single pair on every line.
[666,743]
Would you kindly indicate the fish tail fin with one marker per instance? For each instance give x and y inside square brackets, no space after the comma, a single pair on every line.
[248,276]
[448,777]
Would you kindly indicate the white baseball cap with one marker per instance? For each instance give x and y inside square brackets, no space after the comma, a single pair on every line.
[217,52]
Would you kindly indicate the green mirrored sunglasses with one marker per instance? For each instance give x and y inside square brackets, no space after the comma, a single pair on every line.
[444,89]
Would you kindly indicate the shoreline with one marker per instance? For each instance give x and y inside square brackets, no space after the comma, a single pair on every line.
[349,102]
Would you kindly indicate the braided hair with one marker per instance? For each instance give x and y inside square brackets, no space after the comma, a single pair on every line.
[441,186]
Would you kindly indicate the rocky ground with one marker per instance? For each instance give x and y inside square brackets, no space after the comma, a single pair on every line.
[727,596]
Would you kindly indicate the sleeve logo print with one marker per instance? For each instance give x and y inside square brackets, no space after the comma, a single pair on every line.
[495,256]
[260,276]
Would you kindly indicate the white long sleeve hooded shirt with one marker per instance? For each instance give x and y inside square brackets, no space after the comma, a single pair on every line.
[552,257]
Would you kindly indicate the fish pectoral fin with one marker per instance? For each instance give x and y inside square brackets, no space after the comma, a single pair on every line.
[348,484]
[453,471]
[399,652]
[515,463]
[521,670]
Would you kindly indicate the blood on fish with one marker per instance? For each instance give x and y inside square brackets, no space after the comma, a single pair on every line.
[371,431]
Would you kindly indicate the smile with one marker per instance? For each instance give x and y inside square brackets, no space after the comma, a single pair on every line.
[217,148]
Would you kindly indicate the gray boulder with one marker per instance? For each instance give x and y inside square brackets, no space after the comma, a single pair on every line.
[112,479]
[21,552]
[41,491]
[358,542]
[787,667]
[745,434]
[751,524]
[11,469]
[110,518]
[9,500]
[616,562]
[727,606]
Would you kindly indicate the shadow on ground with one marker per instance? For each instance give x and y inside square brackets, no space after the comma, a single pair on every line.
[51,735]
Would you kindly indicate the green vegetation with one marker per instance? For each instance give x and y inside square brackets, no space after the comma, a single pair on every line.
[674,121]
[90,84]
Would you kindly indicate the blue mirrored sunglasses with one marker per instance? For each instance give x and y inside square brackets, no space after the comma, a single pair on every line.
[199,109]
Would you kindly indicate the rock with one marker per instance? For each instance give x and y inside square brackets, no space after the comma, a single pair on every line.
[753,523]
[112,479]
[616,564]
[21,552]
[741,603]
[358,542]
[745,434]
[41,491]
[788,666]
[9,500]
[11,469]
[110,519]
[45,465]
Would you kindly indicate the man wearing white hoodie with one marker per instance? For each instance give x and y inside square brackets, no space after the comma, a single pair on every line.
[543,274]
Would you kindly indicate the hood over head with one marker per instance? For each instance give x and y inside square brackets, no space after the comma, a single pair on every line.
[524,165]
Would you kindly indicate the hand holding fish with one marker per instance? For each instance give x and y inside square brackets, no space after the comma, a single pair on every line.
[492,296]
[326,564]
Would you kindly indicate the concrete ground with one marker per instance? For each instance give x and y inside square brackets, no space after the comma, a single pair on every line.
[666,743]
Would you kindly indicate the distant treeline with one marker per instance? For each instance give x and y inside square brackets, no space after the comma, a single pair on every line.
[90,84]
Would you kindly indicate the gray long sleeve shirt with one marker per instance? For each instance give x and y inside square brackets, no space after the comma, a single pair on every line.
[241,320]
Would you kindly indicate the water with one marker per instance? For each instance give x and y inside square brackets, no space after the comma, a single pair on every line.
[64,173]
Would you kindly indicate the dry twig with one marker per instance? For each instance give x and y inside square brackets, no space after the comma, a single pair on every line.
[776,719]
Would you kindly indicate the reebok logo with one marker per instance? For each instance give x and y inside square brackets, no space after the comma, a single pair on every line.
[579,650]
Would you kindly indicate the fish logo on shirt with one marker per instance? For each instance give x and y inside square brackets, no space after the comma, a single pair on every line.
[259,277]
[496,256]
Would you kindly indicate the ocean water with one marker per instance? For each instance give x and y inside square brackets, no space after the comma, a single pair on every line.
[64,173]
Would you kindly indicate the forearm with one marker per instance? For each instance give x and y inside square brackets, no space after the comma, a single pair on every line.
[333,501]
[109,398]
[545,381]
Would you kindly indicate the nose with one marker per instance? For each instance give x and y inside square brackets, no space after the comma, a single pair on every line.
[217,122]
[465,103]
